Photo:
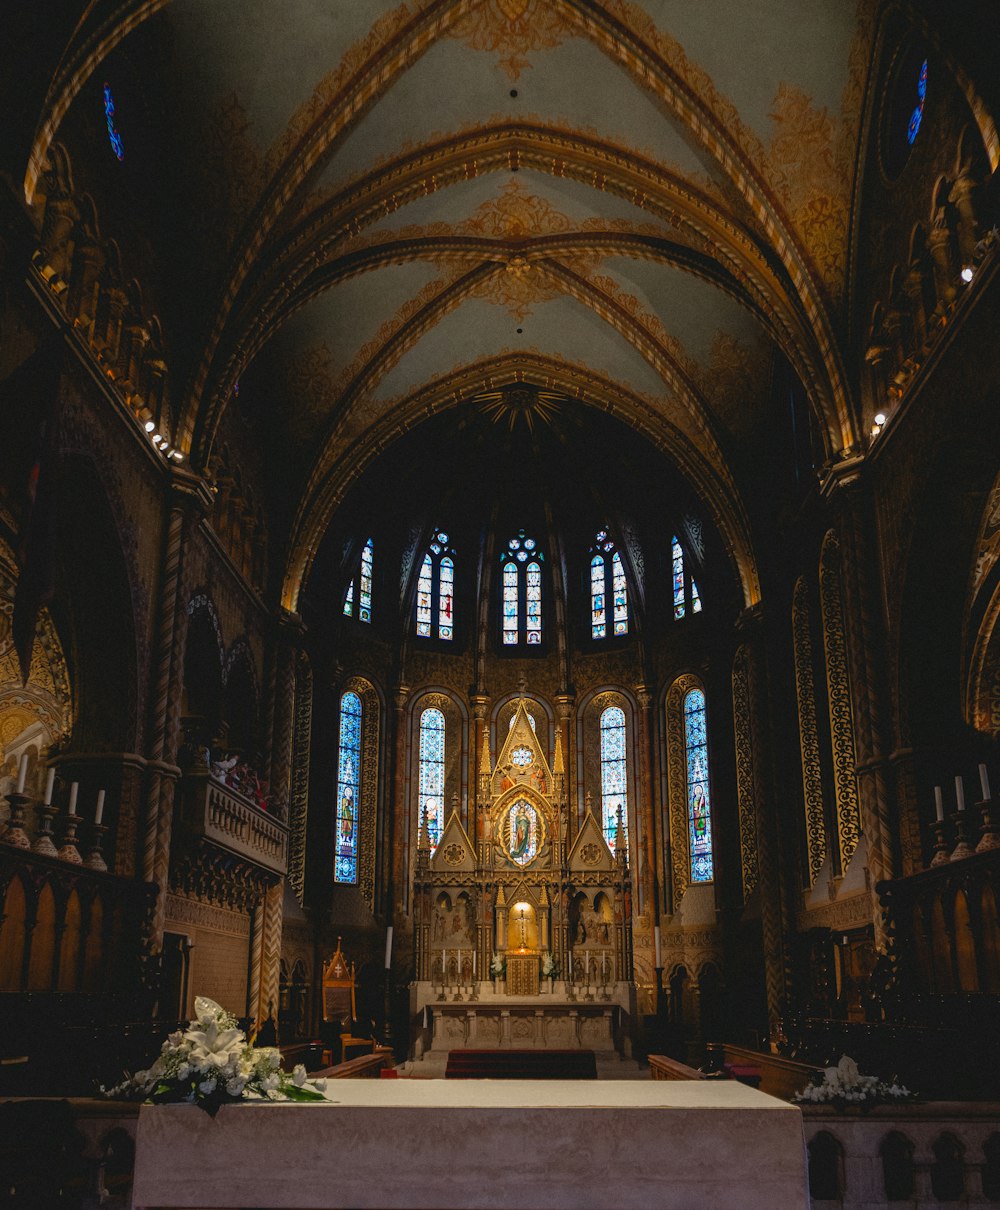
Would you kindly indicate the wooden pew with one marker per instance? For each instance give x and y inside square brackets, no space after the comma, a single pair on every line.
[364,1067]
[779,1077]
[662,1068]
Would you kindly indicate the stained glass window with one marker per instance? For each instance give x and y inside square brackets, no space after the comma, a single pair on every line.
[918,114]
[521,592]
[699,801]
[685,591]
[436,590]
[614,774]
[364,581]
[432,774]
[109,114]
[608,589]
[425,587]
[677,557]
[345,867]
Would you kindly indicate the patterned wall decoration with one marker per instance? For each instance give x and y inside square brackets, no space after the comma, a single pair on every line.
[677,795]
[745,791]
[299,797]
[370,733]
[805,695]
[839,695]
[511,29]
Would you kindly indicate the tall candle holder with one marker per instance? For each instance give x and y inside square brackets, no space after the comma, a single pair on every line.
[95,858]
[941,854]
[70,850]
[14,833]
[991,825]
[44,843]
[962,820]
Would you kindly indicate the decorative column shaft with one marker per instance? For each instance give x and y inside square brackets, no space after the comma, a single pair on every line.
[647,861]
[397,831]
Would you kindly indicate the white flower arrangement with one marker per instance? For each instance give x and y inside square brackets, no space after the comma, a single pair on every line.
[550,968]
[844,1085]
[498,966]
[211,1062]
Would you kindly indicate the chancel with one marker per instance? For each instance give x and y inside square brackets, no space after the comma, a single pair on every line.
[500,597]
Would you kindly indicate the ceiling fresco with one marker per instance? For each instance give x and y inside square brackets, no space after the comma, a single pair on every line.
[375,197]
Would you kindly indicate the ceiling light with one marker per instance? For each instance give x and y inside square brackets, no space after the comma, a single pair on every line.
[967,273]
[880,419]
[178,455]
[150,426]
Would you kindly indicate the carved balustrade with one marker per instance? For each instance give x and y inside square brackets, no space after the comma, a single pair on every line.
[227,819]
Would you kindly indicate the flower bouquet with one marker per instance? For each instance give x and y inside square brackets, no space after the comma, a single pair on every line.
[550,968]
[498,966]
[211,1063]
[844,1085]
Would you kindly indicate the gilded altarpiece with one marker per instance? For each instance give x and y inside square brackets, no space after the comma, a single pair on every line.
[523,915]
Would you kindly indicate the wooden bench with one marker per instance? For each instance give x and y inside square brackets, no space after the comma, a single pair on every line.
[662,1068]
[779,1077]
[364,1067]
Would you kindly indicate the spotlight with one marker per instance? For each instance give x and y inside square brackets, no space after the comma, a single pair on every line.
[967,273]
[178,455]
[880,419]
[149,426]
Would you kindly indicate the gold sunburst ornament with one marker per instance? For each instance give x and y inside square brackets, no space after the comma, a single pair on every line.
[512,407]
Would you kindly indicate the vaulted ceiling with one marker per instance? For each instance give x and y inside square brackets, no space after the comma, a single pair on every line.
[367,212]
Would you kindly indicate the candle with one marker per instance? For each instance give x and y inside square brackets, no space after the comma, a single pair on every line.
[49,784]
[388,947]
[74,790]
[656,943]
[22,773]
[99,809]
[939,804]
[984,781]
[960,792]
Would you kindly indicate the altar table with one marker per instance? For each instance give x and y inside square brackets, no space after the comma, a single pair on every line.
[466,1145]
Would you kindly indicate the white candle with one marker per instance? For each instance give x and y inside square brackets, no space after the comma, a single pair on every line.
[22,773]
[388,947]
[49,784]
[960,792]
[74,790]
[99,809]
[939,804]
[984,781]
[656,944]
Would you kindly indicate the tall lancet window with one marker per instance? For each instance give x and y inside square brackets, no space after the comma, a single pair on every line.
[614,774]
[698,797]
[608,590]
[348,789]
[436,590]
[686,596]
[521,592]
[432,774]
[358,601]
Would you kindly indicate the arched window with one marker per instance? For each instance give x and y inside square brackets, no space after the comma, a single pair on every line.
[348,789]
[608,590]
[359,591]
[897,1167]
[432,773]
[685,591]
[614,774]
[436,590]
[698,797]
[521,589]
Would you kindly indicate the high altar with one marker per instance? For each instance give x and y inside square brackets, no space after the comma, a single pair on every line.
[520,942]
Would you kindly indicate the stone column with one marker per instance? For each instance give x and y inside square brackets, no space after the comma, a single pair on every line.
[266,958]
[398,833]
[480,727]
[865,638]
[189,498]
[280,708]
[647,860]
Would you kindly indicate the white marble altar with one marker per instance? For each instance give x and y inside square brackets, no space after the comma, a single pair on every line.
[466,1145]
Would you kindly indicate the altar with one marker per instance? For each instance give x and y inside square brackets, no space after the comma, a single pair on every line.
[521,938]
[459,1145]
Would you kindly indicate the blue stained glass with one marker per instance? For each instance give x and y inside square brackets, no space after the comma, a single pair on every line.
[424,583]
[510,578]
[620,590]
[432,730]
[367,560]
[677,556]
[521,592]
[436,590]
[917,116]
[446,597]
[345,867]
[109,113]
[597,615]
[699,800]
[349,600]
[614,774]
[695,598]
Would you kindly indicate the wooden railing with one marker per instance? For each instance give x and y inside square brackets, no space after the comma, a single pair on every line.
[228,819]
[662,1068]
[779,1077]
[364,1067]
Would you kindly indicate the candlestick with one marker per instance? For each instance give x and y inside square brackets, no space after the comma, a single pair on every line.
[50,782]
[984,781]
[656,945]
[22,772]
[939,804]
[388,947]
[14,833]
[960,793]
[95,858]
[70,851]
[44,844]
[99,815]
[74,790]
